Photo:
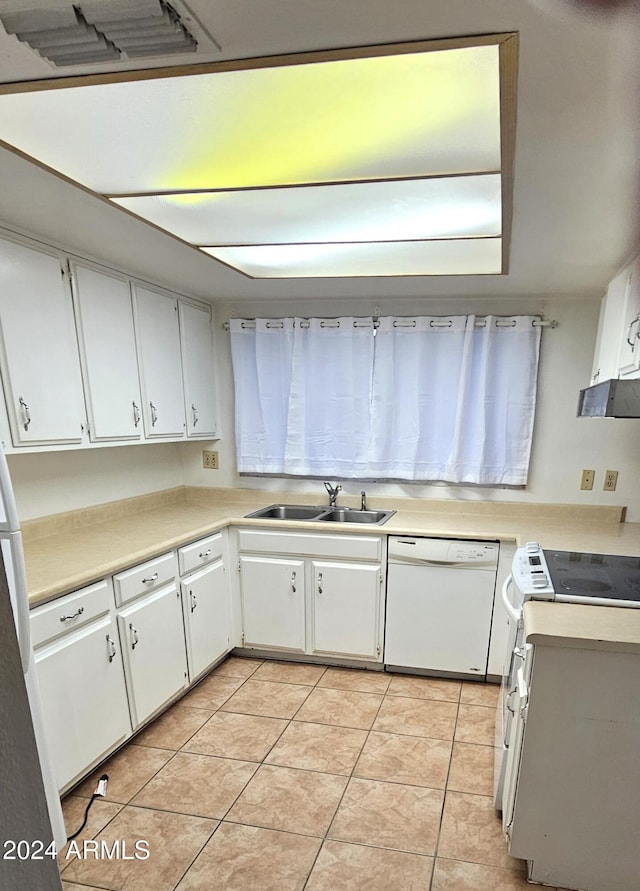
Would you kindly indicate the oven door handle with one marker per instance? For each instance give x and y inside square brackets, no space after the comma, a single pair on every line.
[511,610]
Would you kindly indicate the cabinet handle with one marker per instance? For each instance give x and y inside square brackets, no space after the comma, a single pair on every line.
[26,414]
[154,414]
[151,578]
[195,414]
[112,650]
[77,613]
[136,415]
[629,340]
[293,583]
[206,553]
[194,601]
[319,583]
[134,636]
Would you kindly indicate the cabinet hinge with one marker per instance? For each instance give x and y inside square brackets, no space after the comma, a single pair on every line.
[378,650]
[239,566]
[381,578]
[243,638]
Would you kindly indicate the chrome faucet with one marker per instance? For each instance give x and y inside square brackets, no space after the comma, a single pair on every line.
[363,502]
[333,493]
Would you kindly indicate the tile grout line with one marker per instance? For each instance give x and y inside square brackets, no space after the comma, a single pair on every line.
[444,794]
[349,778]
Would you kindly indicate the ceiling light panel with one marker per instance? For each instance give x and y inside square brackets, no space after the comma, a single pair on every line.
[406,115]
[380,211]
[474,256]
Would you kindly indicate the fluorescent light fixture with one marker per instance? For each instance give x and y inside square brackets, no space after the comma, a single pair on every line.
[472,256]
[376,211]
[401,144]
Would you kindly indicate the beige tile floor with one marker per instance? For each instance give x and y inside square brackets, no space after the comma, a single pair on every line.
[273,776]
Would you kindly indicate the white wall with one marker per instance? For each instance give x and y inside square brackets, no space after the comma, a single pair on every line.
[54,482]
[563,444]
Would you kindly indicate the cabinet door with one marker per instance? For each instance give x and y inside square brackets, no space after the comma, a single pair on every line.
[105,326]
[345,608]
[152,637]
[199,369]
[158,340]
[499,639]
[84,698]
[272,595]
[41,366]
[205,602]
[629,357]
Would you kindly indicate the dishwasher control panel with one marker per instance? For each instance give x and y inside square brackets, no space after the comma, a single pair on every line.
[443,552]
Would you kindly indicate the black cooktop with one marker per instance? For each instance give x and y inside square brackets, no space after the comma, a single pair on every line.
[607,576]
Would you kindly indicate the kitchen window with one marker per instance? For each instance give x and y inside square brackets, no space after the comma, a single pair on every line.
[428,398]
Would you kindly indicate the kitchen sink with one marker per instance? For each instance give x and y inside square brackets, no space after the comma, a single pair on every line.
[287,512]
[321,514]
[352,515]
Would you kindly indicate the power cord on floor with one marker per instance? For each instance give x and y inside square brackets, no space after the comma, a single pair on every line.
[101,791]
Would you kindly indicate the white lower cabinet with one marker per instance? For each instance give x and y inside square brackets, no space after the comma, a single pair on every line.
[153,647]
[293,601]
[346,608]
[205,603]
[272,591]
[79,669]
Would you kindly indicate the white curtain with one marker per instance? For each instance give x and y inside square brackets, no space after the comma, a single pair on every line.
[329,400]
[418,368]
[429,398]
[453,401]
[262,357]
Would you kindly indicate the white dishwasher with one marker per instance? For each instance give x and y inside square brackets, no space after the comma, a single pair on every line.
[439,604]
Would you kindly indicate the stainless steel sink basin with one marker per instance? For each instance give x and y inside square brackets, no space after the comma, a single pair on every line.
[287,512]
[321,514]
[351,515]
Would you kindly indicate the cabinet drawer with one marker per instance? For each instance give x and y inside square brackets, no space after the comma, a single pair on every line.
[69,612]
[143,578]
[351,547]
[200,553]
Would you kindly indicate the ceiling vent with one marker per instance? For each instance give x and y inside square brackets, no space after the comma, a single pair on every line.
[98,31]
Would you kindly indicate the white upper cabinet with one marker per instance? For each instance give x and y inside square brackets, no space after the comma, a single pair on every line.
[199,369]
[159,363]
[40,362]
[108,348]
[617,352]
[629,358]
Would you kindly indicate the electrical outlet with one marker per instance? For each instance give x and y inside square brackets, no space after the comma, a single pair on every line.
[209,459]
[610,480]
[588,477]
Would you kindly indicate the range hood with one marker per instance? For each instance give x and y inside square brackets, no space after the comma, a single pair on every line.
[610,399]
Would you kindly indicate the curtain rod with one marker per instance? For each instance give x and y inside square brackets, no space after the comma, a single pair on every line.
[408,322]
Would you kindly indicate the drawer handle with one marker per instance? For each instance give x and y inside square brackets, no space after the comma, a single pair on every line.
[206,553]
[319,583]
[293,582]
[112,650]
[134,636]
[154,414]
[195,414]
[136,415]
[150,578]
[77,613]
[194,602]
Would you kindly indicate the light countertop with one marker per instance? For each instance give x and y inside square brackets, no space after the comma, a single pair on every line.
[70,550]
[583,627]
